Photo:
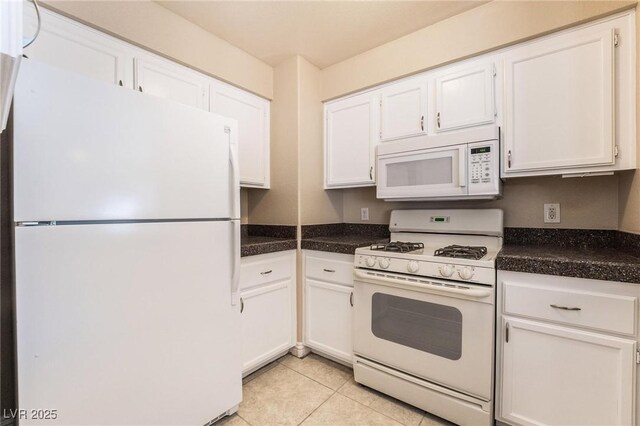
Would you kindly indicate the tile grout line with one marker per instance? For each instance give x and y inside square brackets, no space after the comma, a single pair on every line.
[316,409]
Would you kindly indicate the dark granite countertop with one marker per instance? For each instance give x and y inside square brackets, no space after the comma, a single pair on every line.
[342,237]
[346,244]
[261,239]
[610,259]
[252,245]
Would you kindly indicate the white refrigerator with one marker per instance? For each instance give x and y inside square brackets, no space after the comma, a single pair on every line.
[127,251]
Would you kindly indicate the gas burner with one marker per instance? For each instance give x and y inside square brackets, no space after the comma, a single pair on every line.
[398,246]
[465,252]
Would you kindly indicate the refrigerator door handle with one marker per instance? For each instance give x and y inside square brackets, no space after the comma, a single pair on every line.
[235,262]
[235,173]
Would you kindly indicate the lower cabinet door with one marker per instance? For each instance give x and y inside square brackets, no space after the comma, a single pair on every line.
[553,375]
[268,322]
[328,318]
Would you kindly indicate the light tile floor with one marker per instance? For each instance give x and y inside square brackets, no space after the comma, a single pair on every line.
[317,391]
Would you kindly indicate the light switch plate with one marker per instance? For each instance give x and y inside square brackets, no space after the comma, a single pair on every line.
[364,213]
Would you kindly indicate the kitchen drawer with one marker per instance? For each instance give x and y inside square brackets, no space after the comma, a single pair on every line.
[266,268]
[594,310]
[330,269]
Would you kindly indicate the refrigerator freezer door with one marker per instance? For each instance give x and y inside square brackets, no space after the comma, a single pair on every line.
[87,150]
[127,323]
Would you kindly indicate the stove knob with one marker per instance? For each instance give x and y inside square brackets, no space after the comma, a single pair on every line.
[413,266]
[466,273]
[446,270]
[371,261]
[384,263]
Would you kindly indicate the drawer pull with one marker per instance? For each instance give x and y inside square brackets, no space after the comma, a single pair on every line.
[329,270]
[351,298]
[266,272]
[241,305]
[565,308]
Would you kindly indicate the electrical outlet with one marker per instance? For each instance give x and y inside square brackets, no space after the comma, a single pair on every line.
[552,213]
[364,213]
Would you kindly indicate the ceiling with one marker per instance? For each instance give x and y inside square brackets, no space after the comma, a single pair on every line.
[324,32]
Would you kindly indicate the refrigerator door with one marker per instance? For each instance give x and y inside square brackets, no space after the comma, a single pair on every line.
[127,323]
[87,150]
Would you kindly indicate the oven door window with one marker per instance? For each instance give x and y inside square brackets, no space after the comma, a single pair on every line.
[425,326]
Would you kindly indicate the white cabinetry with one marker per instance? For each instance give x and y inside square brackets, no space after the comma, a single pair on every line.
[565,109]
[328,286]
[351,135]
[167,80]
[252,113]
[10,54]
[566,350]
[69,45]
[465,96]
[403,109]
[267,305]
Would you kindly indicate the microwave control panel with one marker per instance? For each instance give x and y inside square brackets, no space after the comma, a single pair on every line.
[483,166]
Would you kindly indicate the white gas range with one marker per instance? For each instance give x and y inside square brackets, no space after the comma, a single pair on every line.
[424,312]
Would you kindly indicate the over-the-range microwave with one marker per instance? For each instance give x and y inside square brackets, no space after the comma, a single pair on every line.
[464,165]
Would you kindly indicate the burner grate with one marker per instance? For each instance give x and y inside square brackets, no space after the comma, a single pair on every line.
[465,252]
[398,246]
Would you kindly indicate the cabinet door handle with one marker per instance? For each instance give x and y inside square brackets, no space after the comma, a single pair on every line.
[241,305]
[371,173]
[329,270]
[140,89]
[438,120]
[351,299]
[509,159]
[506,333]
[565,308]
[266,272]
[120,83]
[422,123]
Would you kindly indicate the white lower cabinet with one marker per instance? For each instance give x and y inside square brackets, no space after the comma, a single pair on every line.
[556,364]
[328,287]
[267,305]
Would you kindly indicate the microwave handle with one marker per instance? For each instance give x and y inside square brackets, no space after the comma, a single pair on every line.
[462,166]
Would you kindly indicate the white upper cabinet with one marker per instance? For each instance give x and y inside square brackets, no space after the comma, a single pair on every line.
[171,81]
[66,44]
[404,109]
[351,135]
[559,102]
[465,96]
[252,113]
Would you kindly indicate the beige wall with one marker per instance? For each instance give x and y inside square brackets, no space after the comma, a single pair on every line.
[279,205]
[316,205]
[590,203]
[151,26]
[629,207]
[487,27]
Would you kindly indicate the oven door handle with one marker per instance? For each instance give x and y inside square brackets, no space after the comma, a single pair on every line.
[425,285]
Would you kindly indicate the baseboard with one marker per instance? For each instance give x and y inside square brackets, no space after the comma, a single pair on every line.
[300,350]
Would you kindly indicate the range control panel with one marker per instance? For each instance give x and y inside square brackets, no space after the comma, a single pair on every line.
[484,168]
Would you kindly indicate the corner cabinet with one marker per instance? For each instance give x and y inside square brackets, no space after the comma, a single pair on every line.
[566,110]
[267,307]
[328,302]
[465,96]
[351,135]
[567,350]
[252,113]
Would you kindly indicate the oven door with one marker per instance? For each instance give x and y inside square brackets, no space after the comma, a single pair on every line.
[427,173]
[441,331]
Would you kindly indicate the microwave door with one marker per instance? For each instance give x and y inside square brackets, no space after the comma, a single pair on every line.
[423,174]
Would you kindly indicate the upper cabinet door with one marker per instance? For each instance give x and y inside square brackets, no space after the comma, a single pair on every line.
[351,134]
[171,81]
[465,97]
[559,102]
[66,44]
[404,107]
[252,113]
